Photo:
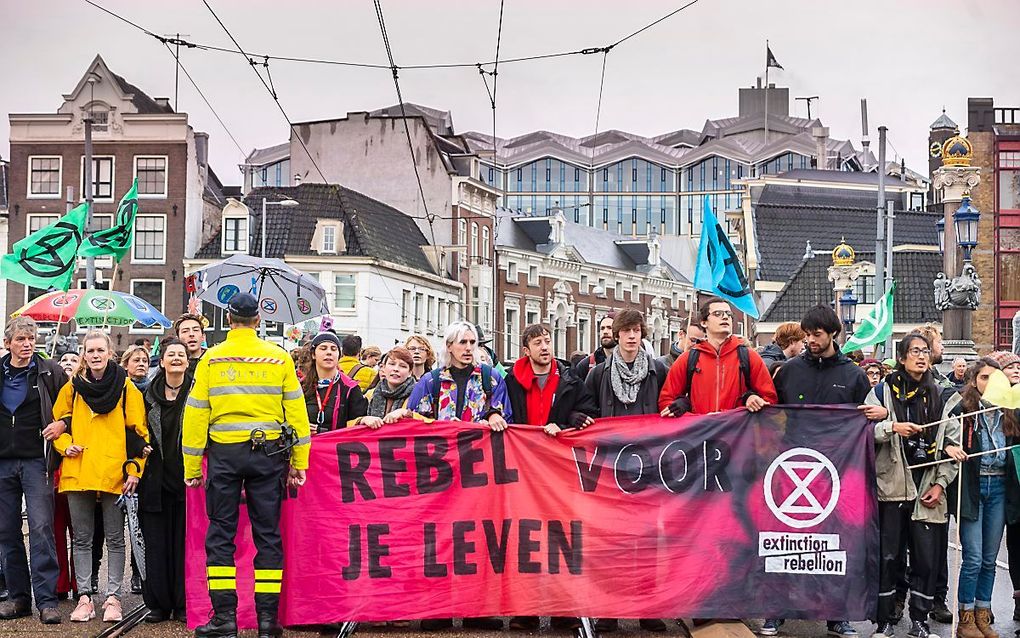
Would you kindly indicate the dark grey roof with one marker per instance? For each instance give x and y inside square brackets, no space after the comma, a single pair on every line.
[371,228]
[840,177]
[787,217]
[213,191]
[145,104]
[944,122]
[914,301]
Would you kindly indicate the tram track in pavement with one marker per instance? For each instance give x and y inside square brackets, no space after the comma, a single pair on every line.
[130,620]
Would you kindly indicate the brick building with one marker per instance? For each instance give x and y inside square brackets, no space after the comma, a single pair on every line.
[570,275]
[134,136]
[994,134]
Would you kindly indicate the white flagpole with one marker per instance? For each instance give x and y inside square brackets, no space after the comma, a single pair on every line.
[766,92]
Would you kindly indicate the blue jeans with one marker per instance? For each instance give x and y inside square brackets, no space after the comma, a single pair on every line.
[28,477]
[981,539]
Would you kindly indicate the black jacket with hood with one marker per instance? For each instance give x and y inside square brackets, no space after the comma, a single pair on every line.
[808,379]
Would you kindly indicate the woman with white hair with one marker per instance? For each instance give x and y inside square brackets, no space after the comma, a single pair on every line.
[462,388]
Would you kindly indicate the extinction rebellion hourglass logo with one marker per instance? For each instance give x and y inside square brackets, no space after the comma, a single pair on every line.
[802,490]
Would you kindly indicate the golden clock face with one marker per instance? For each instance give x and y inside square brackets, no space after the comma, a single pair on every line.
[935,149]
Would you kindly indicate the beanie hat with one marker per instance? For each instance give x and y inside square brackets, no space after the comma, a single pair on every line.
[323,337]
[869,362]
[1005,358]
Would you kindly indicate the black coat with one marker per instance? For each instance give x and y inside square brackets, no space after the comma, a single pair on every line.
[600,386]
[584,366]
[571,397]
[23,437]
[812,380]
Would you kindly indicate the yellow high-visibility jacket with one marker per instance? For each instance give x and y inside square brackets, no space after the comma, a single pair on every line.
[241,385]
[100,466]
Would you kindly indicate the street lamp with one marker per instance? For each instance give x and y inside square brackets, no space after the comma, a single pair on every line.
[965,221]
[940,228]
[848,311]
[265,203]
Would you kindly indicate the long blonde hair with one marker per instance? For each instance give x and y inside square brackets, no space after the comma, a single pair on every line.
[89,336]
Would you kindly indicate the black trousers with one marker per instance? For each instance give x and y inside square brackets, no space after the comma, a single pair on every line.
[927,544]
[942,584]
[163,587]
[233,467]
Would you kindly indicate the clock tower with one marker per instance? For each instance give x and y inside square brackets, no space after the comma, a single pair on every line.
[940,130]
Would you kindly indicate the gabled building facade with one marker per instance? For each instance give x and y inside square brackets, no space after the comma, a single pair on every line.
[134,136]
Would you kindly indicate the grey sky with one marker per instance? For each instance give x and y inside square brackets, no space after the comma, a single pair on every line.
[908,57]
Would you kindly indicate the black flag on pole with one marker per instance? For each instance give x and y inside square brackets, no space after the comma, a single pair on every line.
[770,60]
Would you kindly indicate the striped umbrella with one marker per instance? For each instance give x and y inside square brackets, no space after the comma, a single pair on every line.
[93,308]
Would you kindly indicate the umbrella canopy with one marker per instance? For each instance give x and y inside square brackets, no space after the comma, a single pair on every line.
[285,294]
[93,308]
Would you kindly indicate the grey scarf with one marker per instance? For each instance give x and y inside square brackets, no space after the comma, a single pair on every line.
[626,381]
[384,393]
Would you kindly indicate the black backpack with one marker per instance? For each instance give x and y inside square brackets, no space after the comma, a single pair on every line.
[743,357]
[437,385]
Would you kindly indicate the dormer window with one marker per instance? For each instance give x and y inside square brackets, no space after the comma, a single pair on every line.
[329,239]
[235,235]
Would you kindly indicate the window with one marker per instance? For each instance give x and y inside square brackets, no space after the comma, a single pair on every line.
[430,308]
[235,234]
[150,290]
[405,308]
[36,222]
[532,275]
[474,239]
[102,177]
[864,289]
[603,290]
[344,292]
[583,287]
[419,303]
[474,304]
[100,120]
[531,317]
[485,242]
[635,293]
[329,239]
[151,175]
[441,322]
[619,291]
[582,334]
[150,238]
[510,332]
[44,176]
[462,241]
[511,272]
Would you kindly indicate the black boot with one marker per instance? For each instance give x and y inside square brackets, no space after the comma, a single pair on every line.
[269,626]
[221,625]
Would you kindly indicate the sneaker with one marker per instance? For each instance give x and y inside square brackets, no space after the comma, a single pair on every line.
[85,611]
[770,627]
[885,630]
[919,629]
[112,611]
[840,628]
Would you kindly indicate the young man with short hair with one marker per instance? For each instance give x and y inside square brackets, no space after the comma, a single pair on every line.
[627,383]
[544,392]
[822,375]
[190,329]
[28,386]
[724,373]
[606,346]
[787,343]
[351,365]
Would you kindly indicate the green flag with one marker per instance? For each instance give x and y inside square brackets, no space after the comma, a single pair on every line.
[115,240]
[48,257]
[877,326]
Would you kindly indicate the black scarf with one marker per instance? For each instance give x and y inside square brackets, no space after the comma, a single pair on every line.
[921,397]
[102,396]
[384,393]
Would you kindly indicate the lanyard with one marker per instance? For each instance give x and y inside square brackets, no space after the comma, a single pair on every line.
[322,401]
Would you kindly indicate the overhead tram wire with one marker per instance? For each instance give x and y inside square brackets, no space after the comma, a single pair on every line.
[403,115]
[410,67]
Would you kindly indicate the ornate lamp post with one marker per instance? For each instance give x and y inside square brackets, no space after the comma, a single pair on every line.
[957,296]
[848,312]
[843,273]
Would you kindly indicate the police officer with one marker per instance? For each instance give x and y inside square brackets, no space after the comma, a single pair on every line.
[247,414]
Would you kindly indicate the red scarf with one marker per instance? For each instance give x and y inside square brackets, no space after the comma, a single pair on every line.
[539,400]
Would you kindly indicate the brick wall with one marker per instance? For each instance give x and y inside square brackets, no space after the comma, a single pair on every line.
[983,198]
[177,159]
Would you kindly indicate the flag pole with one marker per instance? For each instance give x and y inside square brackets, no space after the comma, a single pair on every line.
[766,92]
[60,319]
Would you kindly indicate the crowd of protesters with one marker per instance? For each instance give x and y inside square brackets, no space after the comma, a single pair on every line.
[87,429]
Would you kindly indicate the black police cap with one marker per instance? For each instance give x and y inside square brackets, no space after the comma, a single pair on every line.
[243,305]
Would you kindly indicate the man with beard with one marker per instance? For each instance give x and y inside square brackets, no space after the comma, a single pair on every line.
[692,335]
[544,392]
[822,375]
[190,330]
[608,344]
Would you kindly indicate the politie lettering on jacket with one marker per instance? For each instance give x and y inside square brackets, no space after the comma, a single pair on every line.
[472,540]
[233,375]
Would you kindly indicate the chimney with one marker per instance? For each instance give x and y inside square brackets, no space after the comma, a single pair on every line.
[821,135]
[163,103]
[654,251]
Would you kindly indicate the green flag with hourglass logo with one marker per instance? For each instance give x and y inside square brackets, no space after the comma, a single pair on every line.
[115,240]
[48,257]
[877,326]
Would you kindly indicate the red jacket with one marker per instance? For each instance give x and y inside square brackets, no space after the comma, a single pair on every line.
[717,383]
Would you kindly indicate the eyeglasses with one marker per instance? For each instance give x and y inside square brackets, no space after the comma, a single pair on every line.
[874,373]
[721,313]
[919,352]
[415,349]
